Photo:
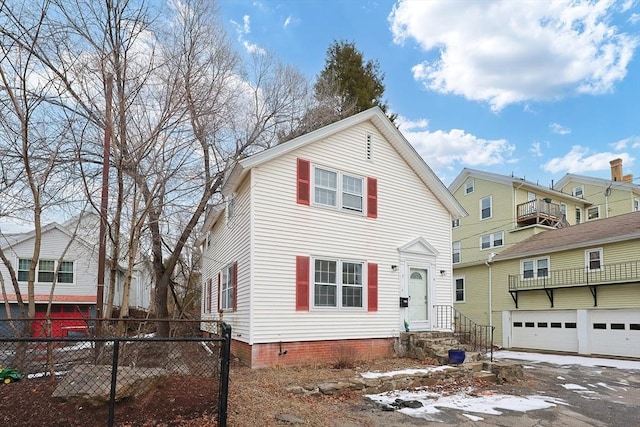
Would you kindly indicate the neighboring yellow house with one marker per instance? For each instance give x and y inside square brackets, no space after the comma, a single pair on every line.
[609,197]
[574,289]
[503,211]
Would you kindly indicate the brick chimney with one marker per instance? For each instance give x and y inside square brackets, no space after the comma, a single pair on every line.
[616,169]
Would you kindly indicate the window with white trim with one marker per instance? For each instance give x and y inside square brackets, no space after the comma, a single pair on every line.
[492,240]
[456,250]
[578,191]
[530,196]
[338,284]
[469,186]
[226,288]
[338,189]
[535,268]
[485,207]
[593,213]
[578,215]
[45,271]
[593,259]
[459,289]
[636,204]
[455,223]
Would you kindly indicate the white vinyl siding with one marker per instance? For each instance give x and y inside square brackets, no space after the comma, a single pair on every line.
[281,230]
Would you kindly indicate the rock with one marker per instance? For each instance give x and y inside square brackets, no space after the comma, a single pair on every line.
[296,389]
[333,388]
[414,404]
[289,419]
[92,383]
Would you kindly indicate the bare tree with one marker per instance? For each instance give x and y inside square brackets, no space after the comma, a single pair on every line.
[184,107]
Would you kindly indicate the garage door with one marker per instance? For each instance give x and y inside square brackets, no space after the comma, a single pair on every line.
[545,330]
[615,332]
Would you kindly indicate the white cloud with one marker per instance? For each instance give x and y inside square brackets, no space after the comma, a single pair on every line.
[536,150]
[623,144]
[242,30]
[502,53]
[559,129]
[444,151]
[287,22]
[581,159]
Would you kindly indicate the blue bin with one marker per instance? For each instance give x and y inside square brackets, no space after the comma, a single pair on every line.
[456,356]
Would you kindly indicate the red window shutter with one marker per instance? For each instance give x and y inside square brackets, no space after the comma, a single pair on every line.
[372,197]
[372,287]
[219,290]
[209,295]
[304,182]
[302,283]
[235,286]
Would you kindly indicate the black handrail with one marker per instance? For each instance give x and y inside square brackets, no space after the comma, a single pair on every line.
[479,337]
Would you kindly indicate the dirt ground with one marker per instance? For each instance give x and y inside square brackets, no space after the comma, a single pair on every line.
[257,397]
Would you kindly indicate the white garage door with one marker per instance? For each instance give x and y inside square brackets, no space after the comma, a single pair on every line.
[545,330]
[615,332]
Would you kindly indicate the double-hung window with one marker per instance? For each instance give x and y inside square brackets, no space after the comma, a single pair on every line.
[492,240]
[469,186]
[459,289]
[578,215]
[593,259]
[226,288]
[593,213]
[352,193]
[535,268]
[338,189]
[485,207]
[577,191]
[45,271]
[338,284]
[456,249]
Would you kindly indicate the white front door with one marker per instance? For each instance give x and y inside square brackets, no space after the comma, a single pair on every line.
[418,299]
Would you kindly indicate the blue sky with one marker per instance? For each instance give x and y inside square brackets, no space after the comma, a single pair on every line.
[534,88]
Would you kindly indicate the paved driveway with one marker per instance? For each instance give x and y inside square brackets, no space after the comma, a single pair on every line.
[605,394]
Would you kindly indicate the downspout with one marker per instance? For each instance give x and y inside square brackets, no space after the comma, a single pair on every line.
[488,264]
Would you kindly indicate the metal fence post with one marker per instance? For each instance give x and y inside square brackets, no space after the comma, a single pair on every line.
[114,381]
[225,359]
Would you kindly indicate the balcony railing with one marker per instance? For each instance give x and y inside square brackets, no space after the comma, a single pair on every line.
[539,211]
[609,274]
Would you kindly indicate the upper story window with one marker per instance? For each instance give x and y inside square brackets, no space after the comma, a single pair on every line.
[594,259]
[338,189]
[334,290]
[636,205]
[593,213]
[469,186]
[578,191]
[485,207]
[492,240]
[530,196]
[325,187]
[456,250]
[455,223]
[578,215]
[533,268]
[45,271]
[459,289]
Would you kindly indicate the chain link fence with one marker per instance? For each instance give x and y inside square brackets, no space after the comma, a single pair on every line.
[112,372]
